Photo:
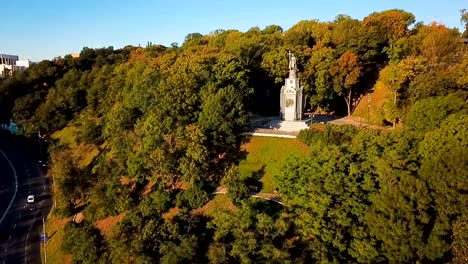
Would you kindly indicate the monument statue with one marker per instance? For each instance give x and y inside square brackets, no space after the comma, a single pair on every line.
[292,61]
[291,99]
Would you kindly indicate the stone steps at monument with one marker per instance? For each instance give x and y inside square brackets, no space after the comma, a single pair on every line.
[292,125]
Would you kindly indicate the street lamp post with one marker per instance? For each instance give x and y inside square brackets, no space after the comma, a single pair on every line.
[44,237]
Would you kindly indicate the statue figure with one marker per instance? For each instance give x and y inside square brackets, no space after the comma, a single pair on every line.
[292,61]
[291,99]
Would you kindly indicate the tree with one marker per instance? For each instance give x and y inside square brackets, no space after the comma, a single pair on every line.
[84,243]
[167,124]
[237,189]
[257,232]
[319,82]
[272,29]
[275,63]
[428,114]
[401,210]
[349,34]
[300,34]
[395,78]
[91,132]
[68,183]
[193,197]
[439,44]
[329,193]
[432,83]
[464,20]
[194,39]
[222,118]
[416,208]
[346,74]
[390,25]
[442,153]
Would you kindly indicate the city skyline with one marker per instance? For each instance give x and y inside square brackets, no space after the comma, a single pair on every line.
[53,28]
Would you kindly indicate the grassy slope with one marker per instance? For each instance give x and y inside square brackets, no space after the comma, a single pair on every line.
[219,202]
[107,224]
[377,99]
[263,152]
[55,230]
[84,154]
[66,136]
[266,157]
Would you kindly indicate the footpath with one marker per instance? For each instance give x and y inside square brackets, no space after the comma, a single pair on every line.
[275,197]
[259,126]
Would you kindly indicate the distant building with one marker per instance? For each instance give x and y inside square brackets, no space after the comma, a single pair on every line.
[11,63]
[8,59]
[23,64]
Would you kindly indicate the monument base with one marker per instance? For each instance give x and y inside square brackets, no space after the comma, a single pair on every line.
[290,126]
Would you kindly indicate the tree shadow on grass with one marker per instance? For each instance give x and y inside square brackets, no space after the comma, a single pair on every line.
[268,207]
[254,180]
[80,208]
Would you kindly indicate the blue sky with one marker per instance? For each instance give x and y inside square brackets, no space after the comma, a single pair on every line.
[43,29]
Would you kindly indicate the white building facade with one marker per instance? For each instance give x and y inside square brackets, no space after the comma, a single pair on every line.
[11,63]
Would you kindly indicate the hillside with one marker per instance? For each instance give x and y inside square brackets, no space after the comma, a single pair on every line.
[143,137]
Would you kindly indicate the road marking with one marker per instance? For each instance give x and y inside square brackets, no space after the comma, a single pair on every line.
[26,242]
[16,187]
[9,238]
[26,249]
[14,226]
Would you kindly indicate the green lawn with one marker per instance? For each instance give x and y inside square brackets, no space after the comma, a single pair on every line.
[83,153]
[66,136]
[55,232]
[217,203]
[266,157]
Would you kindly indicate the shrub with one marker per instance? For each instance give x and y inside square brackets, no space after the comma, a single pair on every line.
[195,196]
[331,135]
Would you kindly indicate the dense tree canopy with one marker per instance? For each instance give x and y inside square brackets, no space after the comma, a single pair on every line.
[158,129]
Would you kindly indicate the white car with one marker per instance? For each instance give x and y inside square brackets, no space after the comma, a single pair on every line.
[30,198]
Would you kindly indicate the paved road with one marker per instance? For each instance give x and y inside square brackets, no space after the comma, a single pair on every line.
[21,224]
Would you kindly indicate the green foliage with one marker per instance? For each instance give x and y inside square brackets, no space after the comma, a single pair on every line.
[430,84]
[84,243]
[70,182]
[237,187]
[319,78]
[151,239]
[464,19]
[256,233]
[195,196]
[401,211]
[274,61]
[346,74]
[158,200]
[223,117]
[90,132]
[443,153]
[330,135]
[167,124]
[427,114]
[330,193]
[266,157]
